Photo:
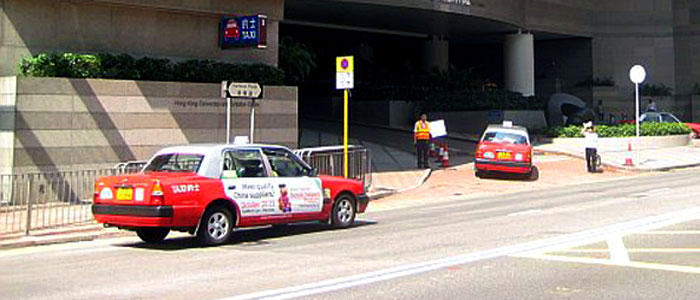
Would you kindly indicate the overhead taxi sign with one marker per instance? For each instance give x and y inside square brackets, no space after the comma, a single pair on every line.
[344,72]
[244,90]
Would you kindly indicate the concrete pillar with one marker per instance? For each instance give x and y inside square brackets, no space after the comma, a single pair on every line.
[519,63]
[436,54]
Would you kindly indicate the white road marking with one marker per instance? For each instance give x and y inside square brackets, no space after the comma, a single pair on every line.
[636,250]
[525,212]
[670,232]
[607,262]
[532,248]
[618,252]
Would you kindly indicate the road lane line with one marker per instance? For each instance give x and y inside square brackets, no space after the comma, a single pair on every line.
[607,262]
[672,232]
[531,248]
[636,250]
[618,252]
[524,212]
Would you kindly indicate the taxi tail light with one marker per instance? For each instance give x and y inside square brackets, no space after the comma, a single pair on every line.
[157,195]
[96,194]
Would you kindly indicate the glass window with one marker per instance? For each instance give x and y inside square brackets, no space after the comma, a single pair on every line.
[649,117]
[505,137]
[285,164]
[175,162]
[245,163]
[669,118]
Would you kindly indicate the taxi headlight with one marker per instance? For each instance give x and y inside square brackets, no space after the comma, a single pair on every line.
[518,156]
[489,155]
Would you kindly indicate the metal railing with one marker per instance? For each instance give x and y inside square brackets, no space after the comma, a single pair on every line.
[42,200]
[329,161]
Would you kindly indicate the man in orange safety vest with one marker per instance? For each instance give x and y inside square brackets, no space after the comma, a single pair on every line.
[421,138]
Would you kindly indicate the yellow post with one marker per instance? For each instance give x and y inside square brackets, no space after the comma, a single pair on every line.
[345,133]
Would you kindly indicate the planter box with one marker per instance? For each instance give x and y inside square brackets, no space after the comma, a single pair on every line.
[621,144]
[61,124]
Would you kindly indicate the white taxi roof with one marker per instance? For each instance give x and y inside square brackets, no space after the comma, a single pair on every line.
[208,149]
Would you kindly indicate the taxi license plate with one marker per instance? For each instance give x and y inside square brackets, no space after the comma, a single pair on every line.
[504,155]
[125,193]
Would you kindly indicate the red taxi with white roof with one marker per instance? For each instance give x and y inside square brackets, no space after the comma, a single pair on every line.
[505,149]
[208,190]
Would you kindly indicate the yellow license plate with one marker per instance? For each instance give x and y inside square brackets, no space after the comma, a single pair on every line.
[125,193]
[504,155]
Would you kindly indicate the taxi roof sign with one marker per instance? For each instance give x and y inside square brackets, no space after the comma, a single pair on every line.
[344,64]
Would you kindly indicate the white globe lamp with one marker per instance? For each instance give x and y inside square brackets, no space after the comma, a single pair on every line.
[638,74]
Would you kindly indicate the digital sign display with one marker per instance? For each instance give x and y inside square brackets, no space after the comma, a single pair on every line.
[243,31]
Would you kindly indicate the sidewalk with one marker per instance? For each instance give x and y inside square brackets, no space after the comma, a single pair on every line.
[660,159]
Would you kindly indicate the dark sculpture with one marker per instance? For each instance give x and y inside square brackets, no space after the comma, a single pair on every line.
[565,109]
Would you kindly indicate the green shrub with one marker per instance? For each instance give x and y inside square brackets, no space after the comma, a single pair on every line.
[623,130]
[61,65]
[124,66]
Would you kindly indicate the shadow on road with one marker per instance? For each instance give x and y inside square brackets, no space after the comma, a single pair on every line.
[246,237]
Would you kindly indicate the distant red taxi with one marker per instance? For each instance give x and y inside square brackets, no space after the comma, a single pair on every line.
[208,190]
[505,149]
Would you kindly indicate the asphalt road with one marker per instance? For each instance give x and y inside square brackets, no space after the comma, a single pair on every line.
[540,245]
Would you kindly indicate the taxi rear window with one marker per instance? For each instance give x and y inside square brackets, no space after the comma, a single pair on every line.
[505,137]
[175,162]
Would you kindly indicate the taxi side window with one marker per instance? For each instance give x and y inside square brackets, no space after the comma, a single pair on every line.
[243,163]
[284,164]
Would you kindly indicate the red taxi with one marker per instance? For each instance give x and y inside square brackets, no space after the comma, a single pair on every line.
[504,148]
[208,190]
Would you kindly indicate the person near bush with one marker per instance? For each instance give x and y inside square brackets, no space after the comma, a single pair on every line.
[421,139]
[591,144]
[651,107]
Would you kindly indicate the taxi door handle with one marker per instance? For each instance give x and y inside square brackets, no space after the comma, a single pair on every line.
[231,187]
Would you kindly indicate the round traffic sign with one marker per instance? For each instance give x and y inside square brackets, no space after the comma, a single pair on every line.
[344,63]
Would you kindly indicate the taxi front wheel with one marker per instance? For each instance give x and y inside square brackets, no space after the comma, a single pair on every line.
[216,226]
[343,214]
[152,235]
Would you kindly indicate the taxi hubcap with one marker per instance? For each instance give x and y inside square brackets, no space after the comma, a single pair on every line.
[217,226]
[344,211]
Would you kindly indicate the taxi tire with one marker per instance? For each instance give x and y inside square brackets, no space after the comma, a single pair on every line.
[203,233]
[345,205]
[152,235]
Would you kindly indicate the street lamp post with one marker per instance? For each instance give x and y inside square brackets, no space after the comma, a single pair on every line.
[637,76]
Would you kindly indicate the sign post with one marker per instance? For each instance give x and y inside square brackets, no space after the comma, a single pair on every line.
[637,75]
[244,90]
[344,80]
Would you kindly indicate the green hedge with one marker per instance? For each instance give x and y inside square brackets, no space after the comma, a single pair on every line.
[124,66]
[624,130]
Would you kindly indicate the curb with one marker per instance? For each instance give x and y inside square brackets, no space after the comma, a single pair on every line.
[389,192]
[60,238]
[618,167]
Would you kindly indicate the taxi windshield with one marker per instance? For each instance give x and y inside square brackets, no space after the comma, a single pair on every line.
[505,137]
[175,162]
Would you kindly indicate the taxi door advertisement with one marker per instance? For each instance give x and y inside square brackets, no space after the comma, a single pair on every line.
[275,195]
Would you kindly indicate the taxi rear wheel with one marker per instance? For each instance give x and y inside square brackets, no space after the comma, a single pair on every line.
[343,213]
[152,235]
[216,227]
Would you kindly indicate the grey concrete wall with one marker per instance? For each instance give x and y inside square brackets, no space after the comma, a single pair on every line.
[168,28]
[77,123]
[8,96]
[474,122]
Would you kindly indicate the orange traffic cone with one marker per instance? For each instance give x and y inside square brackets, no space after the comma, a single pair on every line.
[441,153]
[628,158]
[446,158]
